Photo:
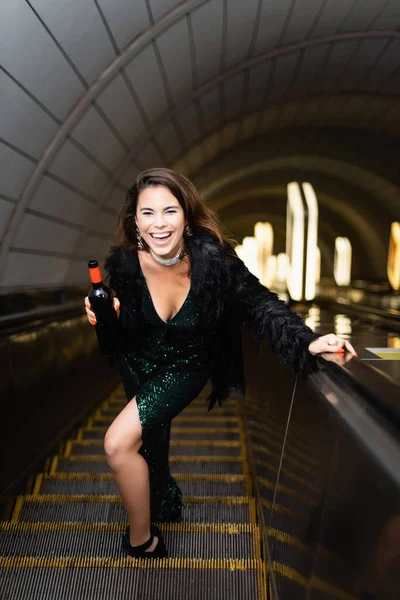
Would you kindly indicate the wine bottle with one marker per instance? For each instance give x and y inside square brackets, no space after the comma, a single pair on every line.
[102,303]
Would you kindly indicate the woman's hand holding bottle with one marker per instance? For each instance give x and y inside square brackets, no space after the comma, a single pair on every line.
[90,314]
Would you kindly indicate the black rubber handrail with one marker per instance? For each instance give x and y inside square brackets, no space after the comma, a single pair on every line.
[377,436]
[37,316]
[375,386]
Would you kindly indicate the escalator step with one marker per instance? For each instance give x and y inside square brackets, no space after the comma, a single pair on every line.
[201,421]
[99,486]
[111,411]
[191,465]
[75,519]
[233,581]
[177,448]
[195,412]
[102,544]
[110,509]
[177,434]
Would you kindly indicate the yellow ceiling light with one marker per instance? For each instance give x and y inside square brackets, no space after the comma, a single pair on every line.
[271,270]
[342,261]
[264,234]
[301,240]
[312,239]
[282,267]
[250,255]
[239,251]
[318,265]
[295,241]
[393,265]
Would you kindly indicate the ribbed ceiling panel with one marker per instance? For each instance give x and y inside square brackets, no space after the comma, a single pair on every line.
[92,92]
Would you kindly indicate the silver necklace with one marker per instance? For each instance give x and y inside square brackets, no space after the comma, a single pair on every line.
[166,262]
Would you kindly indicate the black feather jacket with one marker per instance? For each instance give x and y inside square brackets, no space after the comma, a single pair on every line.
[227,296]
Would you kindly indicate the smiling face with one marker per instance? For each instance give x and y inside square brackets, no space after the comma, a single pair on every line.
[161,220]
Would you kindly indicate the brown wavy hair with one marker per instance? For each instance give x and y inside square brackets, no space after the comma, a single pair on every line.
[198,216]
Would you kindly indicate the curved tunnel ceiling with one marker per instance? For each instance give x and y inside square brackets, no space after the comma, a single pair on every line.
[93,91]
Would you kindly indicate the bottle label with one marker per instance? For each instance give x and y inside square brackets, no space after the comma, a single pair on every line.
[95,275]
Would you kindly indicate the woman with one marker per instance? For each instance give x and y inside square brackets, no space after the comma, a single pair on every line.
[182,295]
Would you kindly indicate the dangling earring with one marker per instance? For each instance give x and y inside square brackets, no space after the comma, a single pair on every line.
[187,231]
[139,238]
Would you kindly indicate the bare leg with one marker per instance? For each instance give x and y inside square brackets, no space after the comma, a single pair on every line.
[130,471]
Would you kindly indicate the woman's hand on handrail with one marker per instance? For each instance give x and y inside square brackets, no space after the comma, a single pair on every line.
[90,314]
[331,343]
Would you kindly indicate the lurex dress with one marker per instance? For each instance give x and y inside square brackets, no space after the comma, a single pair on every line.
[166,367]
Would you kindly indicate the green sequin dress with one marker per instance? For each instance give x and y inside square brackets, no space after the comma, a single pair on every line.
[167,366]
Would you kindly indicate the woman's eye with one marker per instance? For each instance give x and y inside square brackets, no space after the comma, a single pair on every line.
[171,211]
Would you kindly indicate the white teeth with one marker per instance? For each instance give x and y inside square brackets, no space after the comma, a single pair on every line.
[160,236]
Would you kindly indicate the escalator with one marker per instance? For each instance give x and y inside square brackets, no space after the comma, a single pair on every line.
[293,494]
[64,539]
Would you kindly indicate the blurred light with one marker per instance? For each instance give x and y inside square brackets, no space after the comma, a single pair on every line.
[239,251]
[295,241]
[343,326]
[264,234]
[393,340]
[282,267]
[283,296]
[303,266]
[393,265]
[342,261]
[312,318]
[318,265]
[250,253]
[312,234]
[271,270]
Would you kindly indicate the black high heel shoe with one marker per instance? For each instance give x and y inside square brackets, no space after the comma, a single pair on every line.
[160,551]
[126,536]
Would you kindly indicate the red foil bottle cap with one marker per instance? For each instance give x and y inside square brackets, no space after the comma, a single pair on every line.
[94,271]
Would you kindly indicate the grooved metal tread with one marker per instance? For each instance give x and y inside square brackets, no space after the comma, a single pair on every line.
[193,579]
[178,433]
[179,448]
[75,518]
[102,543]
[179,465]
[97,486]
[206,509]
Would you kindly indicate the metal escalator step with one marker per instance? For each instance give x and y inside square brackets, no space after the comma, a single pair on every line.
[192,579]
[176,434]
[191,464]
[202,412]
[209,450]
[80,542]
[194,420]
[177,447]
[207,434]
[195,412]
[207,487]
[205,422]
[107,509]
[111,410]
